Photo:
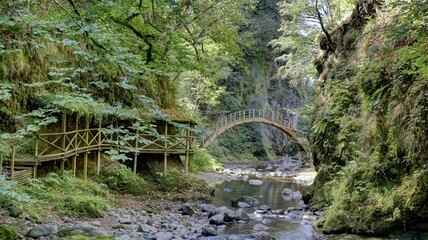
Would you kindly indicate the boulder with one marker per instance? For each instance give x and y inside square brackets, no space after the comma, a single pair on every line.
[187,210]
[208,231]
[217,219]
[255,182]
[164,236]
[144,228]
[243,205]
[43,230]
[262,235]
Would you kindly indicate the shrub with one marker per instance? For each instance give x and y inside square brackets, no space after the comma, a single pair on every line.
[203,161]
[176,181]
[8,233]
[124,180]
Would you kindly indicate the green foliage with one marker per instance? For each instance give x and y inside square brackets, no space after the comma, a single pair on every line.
[203,161]
[9,197]
[8,233]
[68,195]
[178,182]
[124,180]
[369,130]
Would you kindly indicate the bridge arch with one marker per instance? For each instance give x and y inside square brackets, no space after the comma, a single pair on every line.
[284,120]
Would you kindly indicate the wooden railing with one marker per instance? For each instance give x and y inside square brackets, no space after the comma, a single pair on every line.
[284,118]
[55,146]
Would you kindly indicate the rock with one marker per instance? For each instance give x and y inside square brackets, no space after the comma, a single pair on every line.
[288,194]
[146,228]
[260,227]
[14,211]
[262,235]
[278,211]
[80,229]
[243,205]
[125,220]
[187,210]
[251,200]
[255,182]
[42,231]
[267,221]
[163,236]
[263,209]
[208,208]
[240,215]
[208,231]
[217,219]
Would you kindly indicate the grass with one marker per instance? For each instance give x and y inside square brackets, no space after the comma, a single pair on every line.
[64,194]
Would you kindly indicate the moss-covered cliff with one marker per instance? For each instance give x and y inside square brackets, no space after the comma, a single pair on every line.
[370,129]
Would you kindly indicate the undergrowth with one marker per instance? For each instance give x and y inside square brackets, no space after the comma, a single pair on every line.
[8,233]
[123,180]
[203,161]
[66,194]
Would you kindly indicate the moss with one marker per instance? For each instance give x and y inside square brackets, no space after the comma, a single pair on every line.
[82,237]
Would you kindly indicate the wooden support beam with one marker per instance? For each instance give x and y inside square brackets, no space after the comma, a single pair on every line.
[85,164]
[12,165]
[136,151]
[99,147]
[186,162]
[76,139]
[64,130]
[74,164]
[1,163]
[36,156]
[165,156]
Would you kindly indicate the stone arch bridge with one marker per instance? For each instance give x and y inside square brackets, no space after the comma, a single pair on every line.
[284,120]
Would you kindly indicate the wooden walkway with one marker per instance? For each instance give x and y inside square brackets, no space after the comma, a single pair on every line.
[69,145]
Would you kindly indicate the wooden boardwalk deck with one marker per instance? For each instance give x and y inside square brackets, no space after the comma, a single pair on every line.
[66,145]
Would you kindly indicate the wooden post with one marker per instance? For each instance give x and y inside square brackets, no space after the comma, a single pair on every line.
[99,147]
[186,161]
[85,164]
[76,145]
[64,130]
[36,156]
[1,163]
[165,156]
[136,152]
[12,165]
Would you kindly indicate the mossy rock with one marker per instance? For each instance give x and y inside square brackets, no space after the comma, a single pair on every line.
[8,233]
[83,237]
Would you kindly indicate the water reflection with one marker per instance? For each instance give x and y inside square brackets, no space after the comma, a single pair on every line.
[270,194]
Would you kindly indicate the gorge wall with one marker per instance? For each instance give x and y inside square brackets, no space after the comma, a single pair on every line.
[369,132]
[255,83]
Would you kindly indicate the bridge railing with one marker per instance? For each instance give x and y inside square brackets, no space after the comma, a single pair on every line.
[280,117]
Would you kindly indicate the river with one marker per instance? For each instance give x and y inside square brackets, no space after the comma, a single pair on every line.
[284,217]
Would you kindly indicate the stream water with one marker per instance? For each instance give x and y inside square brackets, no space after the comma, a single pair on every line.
[283,217]
[280,215]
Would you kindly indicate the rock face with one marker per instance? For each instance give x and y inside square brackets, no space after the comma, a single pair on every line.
[256,83]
